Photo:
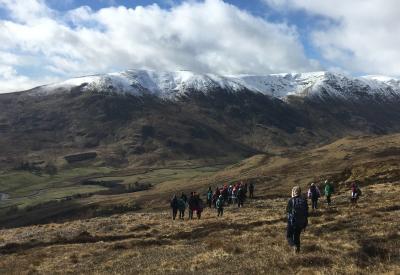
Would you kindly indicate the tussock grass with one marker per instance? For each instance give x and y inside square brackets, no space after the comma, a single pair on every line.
[339,240]
[251,240]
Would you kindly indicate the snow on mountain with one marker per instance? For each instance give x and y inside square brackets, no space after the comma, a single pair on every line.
[170,85]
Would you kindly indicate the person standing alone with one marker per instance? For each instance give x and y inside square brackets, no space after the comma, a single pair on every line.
[297,211]
[251,190]
[328,190]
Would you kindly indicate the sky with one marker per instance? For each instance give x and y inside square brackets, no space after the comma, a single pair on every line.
[45,41]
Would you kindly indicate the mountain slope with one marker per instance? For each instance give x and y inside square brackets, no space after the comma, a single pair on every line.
[141,117]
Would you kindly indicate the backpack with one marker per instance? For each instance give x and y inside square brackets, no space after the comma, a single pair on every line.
[181,204]
[219,203]
[298,215]
[314,192]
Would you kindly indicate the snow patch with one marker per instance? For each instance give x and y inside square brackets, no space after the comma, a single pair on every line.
[171,85]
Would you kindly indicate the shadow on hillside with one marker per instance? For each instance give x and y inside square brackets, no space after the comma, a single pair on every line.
[310,261]
[85,237]
[382,249]
[203,232]
[64,210]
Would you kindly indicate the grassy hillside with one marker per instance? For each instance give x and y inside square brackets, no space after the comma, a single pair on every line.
[250,240]
[87,192]
[142,237]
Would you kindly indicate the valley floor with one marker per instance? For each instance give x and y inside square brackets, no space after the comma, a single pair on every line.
[339,240]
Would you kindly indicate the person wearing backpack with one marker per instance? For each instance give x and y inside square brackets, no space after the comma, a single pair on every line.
[220,206]
[209,197]
[314,194]
[184,197]
[174,206]
[240,197]
[355,193]
[251,190]
[199,205]
[328,191]
[181,208]
[297,211]
[192,205]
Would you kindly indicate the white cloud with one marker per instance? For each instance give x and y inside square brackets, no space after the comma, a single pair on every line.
[365,35]
[209,36]
[10,79]
[25,10]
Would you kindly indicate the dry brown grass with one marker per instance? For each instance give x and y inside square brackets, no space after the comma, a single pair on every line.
[339,240]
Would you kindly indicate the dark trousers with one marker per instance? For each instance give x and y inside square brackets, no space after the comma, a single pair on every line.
[190,214]
[174,212]
[293,236]
[181,214]
[328,199]
[220,211]
[251,194]
[314,203]
[240,202]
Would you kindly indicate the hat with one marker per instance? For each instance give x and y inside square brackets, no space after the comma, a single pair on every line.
[296,191]
[312,184]
[326,181]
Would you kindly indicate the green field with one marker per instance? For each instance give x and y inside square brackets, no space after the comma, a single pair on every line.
[28,192]
[159,175]
[26,188]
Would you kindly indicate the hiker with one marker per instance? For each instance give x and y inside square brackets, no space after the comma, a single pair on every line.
[355,193]
[251,190]
[240,197]
[230,189]
[209,197]
[314,194]
[297,211]
[192,205]
[234,194]
[215,198]
[220,205]
[199,206]
[181,208]
[224,193]
[328,191]
[183,197]
[174,206]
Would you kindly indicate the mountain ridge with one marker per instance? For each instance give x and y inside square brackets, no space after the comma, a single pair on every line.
[174,85]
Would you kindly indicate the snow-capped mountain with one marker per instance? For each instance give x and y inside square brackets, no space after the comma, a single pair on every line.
[172,85]
[240,115]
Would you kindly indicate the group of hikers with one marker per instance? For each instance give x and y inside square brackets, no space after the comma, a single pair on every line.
[297,209]
[314,194]
[225,195]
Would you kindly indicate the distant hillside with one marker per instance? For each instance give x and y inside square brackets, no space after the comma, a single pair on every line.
[144,117]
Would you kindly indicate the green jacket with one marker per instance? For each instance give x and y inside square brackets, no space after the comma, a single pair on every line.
[328,189]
